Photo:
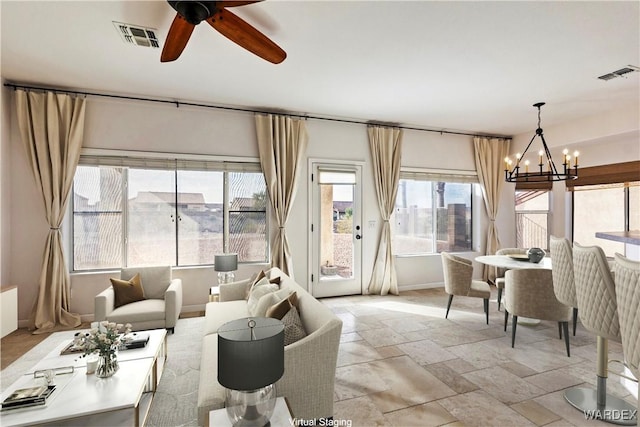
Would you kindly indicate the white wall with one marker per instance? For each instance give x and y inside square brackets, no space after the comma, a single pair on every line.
[143,126]
[8,290]
[5,187]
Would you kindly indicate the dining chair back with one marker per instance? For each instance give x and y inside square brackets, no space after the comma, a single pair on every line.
[627,281]
[598,310]
[499,280]
[530,294]
[564,285]
[458,280]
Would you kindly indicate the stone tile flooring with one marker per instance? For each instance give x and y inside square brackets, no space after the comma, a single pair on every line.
[401,363]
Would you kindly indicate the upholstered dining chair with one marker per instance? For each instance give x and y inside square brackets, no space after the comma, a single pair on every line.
[564,284]
[499,281]
[627,280]
[529,293]
[458,273]
[598,311]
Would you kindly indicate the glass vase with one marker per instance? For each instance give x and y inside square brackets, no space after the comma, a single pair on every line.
[251,408]
[107,364]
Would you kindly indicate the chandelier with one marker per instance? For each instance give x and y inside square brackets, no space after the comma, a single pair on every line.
[546,169]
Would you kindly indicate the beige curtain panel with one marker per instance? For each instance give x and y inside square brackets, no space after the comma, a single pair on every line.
[386,148]
[282,143]
[489,155]
[52,126]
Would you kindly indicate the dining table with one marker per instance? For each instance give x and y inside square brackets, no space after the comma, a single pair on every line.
[510,262]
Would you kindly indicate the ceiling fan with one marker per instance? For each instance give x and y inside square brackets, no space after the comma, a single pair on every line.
[191,13]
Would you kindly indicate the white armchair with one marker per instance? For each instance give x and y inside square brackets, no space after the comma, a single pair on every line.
[160,308]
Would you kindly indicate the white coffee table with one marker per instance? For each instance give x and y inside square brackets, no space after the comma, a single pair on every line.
[84,400]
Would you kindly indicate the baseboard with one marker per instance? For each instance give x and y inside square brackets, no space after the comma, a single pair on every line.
[420,286]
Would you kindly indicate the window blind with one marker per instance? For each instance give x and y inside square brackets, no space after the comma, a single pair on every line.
[607,186]
[169,163]
[336,177]
[534,186]
[440,175]
[606,174]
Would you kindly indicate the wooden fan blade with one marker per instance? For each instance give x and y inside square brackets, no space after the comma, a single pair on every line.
[242,33]
[177,39]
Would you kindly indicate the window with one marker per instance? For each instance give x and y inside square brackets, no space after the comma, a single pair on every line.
[132,212]
[532,219]
[604,208]
[605,198]
[431,215]
[98,218]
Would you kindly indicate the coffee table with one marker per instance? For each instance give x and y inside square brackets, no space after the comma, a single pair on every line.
[85,400]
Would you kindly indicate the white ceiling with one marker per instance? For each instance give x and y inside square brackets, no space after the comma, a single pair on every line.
[469,66]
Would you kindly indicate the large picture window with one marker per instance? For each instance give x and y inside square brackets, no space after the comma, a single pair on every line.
[604,208]
[605,198]
[166,213]
[431,216]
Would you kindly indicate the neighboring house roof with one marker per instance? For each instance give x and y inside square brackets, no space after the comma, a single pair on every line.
[168,197]
[242,203]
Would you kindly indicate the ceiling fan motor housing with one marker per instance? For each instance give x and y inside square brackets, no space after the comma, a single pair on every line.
[194,12]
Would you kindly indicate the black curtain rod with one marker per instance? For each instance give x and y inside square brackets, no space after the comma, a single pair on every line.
[245,110]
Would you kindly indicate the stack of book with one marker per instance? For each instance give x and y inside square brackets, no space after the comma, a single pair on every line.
[30,396]
[135,340]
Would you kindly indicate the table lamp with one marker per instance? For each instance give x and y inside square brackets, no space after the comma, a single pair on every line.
[250,361]
[225,265]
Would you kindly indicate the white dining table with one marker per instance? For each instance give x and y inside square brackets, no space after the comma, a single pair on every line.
[510,263]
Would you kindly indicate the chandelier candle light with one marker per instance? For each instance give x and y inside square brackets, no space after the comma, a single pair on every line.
[514,173]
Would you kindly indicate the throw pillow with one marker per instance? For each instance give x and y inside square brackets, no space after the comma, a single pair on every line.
[277,311]
[127,291]
[262,288]
[255,279]
[258,280]
[266,301]
[293,328]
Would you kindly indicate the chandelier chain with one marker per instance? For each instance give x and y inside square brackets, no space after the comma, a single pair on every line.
[538,117]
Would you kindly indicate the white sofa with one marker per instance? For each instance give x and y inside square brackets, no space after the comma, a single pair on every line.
[160,308]
[310,363]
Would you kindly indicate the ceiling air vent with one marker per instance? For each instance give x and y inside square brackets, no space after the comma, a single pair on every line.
[137,35]
[619,73]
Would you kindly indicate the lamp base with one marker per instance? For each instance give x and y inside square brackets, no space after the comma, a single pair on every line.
[226,277]
[260,422]
[251,408]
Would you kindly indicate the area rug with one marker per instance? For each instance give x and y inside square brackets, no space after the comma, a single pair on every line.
[175,402]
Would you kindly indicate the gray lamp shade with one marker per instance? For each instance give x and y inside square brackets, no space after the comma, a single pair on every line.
[226,262]
[250,360]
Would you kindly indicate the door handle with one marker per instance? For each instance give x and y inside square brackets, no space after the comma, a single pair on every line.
[358,237]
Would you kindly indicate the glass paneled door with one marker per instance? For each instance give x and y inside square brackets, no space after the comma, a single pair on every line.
[336,230]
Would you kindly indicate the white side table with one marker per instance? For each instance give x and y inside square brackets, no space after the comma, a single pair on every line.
[281,416]
[214,293]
